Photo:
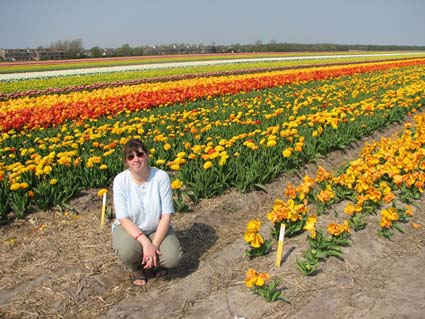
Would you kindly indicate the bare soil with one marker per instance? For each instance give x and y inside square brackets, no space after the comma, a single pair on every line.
[61,264]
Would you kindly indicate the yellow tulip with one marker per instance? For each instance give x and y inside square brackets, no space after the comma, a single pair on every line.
[257,241]
[207,165]
[310,223]
[175,167]
[15,186]
[160,162]
[176,184]
[253,225]
[23,185]
[287,153]
[251,277]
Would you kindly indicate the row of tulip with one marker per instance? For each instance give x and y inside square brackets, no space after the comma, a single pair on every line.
[24,67]
[68,82]
[138,67]
[45,111]
[239,141]
[387,177]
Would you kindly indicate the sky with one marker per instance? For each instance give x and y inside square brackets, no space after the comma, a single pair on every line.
[110,24]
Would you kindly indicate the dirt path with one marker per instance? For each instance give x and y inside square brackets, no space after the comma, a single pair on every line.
[64,267]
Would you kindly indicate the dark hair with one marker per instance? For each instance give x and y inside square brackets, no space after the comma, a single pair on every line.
[134,145]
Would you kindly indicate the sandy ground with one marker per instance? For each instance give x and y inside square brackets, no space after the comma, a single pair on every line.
[61,265]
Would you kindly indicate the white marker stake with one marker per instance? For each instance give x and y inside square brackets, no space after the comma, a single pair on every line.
[280,245]
[102,217]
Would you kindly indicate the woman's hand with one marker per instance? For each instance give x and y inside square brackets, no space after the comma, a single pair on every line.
[150,253]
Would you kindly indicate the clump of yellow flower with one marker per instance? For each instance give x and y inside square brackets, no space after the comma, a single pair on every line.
[160,162]
[252,235]
[338,229]
[176,184]
[16,186]
[290,211]
[287,152]
[174,166]
[207,165]
[388,216]
[253,278]
[351,209]
[310,225]
[326,195]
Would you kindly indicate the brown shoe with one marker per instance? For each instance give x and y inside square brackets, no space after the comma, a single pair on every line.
[160,272]
[138,278]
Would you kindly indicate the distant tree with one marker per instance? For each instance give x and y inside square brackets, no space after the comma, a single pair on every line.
[137,51]
[235,48]
[72,48]
[124,50]
[213,47]
[96,52]
[76,48]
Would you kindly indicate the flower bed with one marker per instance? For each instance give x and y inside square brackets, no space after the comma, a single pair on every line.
[232,141]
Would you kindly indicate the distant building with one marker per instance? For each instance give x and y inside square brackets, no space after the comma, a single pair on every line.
[177,49]
[12,55]
[109,52]
[49,54]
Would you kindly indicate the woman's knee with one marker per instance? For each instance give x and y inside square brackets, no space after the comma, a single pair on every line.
[172,259]
[172,252]
[126,254]
[127,250]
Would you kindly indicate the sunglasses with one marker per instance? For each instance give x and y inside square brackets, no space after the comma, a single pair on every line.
[138,154]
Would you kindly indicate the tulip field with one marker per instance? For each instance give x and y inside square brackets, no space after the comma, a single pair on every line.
[246,145]
[211,133]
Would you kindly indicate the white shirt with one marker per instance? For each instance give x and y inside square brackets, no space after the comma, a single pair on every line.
[143,204]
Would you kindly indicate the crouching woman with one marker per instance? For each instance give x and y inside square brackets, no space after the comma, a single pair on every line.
[142,236]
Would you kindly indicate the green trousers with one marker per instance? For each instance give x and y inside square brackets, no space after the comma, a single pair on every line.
[130,252]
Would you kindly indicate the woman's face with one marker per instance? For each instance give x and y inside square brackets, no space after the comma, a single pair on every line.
[137,160]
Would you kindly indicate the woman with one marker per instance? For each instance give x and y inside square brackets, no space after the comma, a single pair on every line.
[142,237]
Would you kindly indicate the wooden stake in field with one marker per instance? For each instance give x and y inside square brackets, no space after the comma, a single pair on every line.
[280,245]
[102,216]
